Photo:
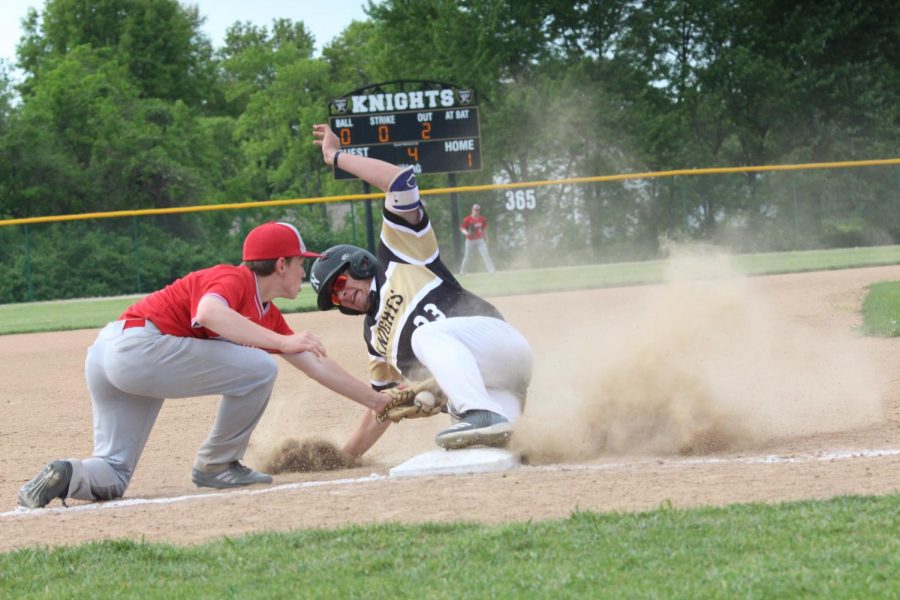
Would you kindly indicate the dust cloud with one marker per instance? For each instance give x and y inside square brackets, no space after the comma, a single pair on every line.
[291,436]
[697,365]
[294,456]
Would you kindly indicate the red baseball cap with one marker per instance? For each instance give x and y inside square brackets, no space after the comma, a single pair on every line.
[275,240]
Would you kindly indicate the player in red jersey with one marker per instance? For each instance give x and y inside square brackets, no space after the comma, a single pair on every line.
[475,227]
[211,332]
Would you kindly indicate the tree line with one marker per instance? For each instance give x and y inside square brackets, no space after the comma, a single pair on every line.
[125,104]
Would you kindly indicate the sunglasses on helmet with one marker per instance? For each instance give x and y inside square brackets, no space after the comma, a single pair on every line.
[339,282]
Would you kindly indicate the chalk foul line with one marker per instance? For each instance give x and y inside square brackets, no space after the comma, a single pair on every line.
[771,459]
[287,487]
[224,494]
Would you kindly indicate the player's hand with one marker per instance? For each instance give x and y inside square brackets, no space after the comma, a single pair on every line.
[329,142]
[382,402]
[303,341]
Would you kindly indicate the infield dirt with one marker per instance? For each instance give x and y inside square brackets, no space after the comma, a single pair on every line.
[641,396]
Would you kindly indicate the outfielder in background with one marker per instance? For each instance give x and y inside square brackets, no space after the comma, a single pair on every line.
[475,227]
[418,320]
[210,332]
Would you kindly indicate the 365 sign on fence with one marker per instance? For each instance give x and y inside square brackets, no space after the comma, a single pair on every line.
[520,199]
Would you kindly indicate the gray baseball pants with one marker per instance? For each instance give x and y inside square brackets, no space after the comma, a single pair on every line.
[129,374]
[482,248]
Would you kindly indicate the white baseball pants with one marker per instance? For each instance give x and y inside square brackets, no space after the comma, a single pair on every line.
[480,362]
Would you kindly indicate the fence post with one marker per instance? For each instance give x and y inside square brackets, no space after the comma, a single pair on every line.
[672,194]
[29,287]
[793,179]
[352,221]
[454,215]
[137,253]
[370,226]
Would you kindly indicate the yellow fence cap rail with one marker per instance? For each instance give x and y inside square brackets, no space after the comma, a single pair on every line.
[438,191]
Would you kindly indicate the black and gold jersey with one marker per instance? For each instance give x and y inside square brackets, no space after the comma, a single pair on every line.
[416,288]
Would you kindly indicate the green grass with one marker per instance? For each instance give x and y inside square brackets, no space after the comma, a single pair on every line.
[94,313]
[881,309]
[639,273]
[846,547]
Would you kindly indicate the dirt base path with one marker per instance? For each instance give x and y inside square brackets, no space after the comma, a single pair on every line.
[693,394]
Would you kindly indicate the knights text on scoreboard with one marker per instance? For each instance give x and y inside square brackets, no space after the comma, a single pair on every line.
[433,140]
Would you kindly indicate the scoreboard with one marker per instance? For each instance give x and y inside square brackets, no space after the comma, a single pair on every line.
[433,140]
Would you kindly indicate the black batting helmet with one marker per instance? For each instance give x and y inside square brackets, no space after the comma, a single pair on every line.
[358,263]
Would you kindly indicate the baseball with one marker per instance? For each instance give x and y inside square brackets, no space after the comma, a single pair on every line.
[425,400]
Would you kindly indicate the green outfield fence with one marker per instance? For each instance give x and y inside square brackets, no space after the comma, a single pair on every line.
[570,221]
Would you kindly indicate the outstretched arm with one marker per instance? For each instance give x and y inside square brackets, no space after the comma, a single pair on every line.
[367,432]
[375,171]
[333,376]
[402,197]
[214,314]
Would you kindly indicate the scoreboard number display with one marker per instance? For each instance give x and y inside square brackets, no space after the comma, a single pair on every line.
[436,133]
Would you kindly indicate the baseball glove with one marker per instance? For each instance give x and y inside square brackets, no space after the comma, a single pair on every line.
[417,399]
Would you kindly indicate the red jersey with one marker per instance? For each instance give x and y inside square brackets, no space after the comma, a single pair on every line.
[475,227]
[173,309]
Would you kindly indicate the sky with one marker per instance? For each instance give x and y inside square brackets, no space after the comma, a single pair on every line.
[324,18]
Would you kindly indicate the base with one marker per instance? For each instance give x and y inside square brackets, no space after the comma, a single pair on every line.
[457,462]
